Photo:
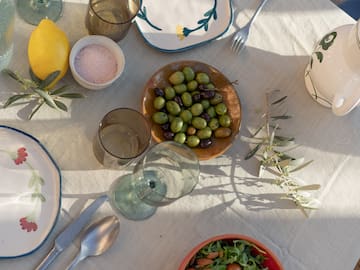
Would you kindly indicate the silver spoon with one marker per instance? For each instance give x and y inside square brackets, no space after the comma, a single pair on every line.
[97,238]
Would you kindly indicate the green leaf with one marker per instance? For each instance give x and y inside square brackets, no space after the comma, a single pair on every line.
[281,117]
[61,105]
[72,95]
[47,98]
[49,79]
[13,75]
[34,77]
[253,151]
[59,90]
[35,110]
[15,98]
[279,100]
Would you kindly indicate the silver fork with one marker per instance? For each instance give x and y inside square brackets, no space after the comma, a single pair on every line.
[240,37]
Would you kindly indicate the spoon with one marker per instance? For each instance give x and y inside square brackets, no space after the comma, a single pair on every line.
[97,238]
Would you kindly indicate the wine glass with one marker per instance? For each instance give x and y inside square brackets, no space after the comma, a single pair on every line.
[33,11]
[167,172]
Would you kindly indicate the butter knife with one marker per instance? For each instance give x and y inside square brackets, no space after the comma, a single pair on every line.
[64,239]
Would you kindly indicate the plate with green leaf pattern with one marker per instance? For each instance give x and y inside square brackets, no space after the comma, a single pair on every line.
[179,25]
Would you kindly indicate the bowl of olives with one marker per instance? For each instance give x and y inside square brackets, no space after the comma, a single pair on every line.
[194,104]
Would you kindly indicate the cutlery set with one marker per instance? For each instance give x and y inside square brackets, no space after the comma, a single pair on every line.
[96,239]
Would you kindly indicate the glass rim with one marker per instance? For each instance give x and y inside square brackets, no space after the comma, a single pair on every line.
[91,4]
[148,131]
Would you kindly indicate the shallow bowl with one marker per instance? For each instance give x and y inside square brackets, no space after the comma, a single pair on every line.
[108,43]
[224,86]
[271,261]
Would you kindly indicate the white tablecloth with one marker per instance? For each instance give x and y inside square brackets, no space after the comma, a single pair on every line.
[229,197]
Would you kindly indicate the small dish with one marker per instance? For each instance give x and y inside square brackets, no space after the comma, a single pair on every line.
[271,261]
[30,193]
[178,25]
[96,62]
[225,88]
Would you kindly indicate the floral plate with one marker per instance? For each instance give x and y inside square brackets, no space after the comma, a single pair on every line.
[30,193]
[178,25]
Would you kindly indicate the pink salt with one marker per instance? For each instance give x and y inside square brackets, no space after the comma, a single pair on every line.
[95,63]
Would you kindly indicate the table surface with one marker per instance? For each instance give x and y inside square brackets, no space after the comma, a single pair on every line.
[229,197]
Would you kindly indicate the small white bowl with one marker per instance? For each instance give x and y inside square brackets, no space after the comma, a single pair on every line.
[108,43]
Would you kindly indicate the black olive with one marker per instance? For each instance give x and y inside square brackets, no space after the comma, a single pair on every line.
[159,92]
[205,143]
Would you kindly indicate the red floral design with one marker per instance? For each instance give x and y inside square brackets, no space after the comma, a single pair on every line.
[28,225]
[21,156]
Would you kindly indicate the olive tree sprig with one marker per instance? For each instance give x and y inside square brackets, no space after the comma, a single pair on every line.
[35,89]
[272,151]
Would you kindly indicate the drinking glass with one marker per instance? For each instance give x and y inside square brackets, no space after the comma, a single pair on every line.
[111,18]
[33,11]
[123,135]
[167,172]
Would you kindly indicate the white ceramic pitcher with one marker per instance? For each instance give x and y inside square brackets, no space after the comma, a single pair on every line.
[332,76]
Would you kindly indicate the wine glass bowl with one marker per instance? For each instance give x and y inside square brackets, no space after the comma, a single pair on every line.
[167,172]
[33,11]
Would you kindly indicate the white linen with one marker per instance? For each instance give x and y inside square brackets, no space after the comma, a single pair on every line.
[229,197]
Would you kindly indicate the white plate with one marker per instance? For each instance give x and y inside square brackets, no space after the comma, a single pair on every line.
[30,193]
[178,25]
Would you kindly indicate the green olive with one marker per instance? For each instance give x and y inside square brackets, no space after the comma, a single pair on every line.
[192,141]
[176,125]
[180,137]
[210,86]
[192,85]
[202,78]
[186,116]
[211,112]
[159,103]
[177,77]
[225,120]
[214,123]
[204,133]
[180,88]
[196,109]
[172,107]
[205,103]
[186,99]
[188,73]
[160,118]
[221,109]
[198,122]
[169,92]
[216,99]
[191,130]
[184,128]
[222,132]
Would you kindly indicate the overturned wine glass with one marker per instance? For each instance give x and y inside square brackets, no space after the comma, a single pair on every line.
[33,11]
[167,172]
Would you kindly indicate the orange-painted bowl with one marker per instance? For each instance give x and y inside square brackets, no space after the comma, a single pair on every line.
[271,261]
[225,88]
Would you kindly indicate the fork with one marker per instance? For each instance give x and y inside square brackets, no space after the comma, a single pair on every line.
[240,37]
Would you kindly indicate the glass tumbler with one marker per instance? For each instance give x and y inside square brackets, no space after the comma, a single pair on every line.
[111,18]
[123,136]
[167,172]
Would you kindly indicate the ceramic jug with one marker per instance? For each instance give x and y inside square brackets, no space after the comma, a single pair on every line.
[332,76]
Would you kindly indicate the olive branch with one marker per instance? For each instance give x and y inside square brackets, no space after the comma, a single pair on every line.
[35,89]
[272,151]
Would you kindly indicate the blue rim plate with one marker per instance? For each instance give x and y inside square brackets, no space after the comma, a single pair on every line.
[179,25]
[30,195]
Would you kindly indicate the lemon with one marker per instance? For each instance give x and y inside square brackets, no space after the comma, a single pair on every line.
[48,51]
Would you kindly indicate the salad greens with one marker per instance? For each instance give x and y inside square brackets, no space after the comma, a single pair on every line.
[218,255]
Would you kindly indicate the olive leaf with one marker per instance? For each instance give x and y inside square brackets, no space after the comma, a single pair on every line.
[36,90]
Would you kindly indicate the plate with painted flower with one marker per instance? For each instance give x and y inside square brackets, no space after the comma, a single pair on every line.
[30,193]
[179,25]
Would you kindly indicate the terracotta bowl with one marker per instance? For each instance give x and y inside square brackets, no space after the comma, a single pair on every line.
[271,261]
[230,98]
